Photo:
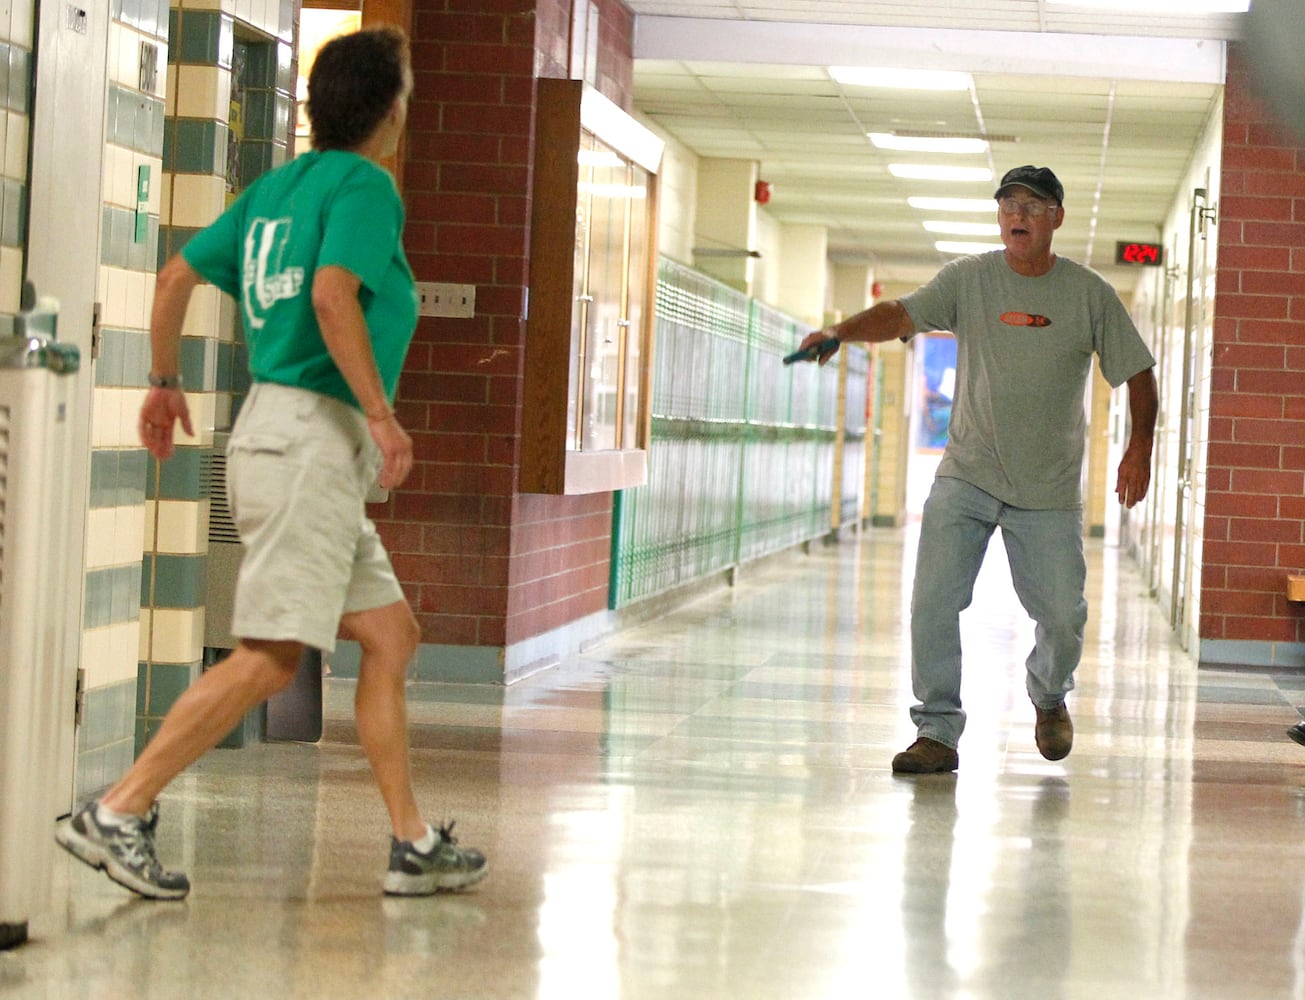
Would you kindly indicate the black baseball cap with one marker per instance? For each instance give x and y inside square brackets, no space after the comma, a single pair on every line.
[1040,180]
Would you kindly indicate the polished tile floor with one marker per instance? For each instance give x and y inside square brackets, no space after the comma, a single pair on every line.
[702,807]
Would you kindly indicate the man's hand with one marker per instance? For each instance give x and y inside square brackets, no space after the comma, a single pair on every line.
[396,450]
[821,337]
[158,416]
[1134,474]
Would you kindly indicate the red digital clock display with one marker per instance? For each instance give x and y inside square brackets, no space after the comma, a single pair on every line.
[1139,254]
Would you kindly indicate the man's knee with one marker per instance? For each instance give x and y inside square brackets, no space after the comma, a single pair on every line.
[271,666]
[393,630]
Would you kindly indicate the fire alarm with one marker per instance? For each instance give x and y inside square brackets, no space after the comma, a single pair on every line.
[876,290]
[762,192]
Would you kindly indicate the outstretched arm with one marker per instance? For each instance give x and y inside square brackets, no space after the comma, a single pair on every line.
[882,321]
[1135,467]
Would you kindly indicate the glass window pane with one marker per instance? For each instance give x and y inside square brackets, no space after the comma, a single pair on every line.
[640,225]
[607,216]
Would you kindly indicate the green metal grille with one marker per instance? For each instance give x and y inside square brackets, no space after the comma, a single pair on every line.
[741,458]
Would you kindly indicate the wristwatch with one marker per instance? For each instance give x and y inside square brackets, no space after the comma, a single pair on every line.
[165,381]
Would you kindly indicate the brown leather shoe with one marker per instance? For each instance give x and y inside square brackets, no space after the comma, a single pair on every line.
[926,756]
[1054,732]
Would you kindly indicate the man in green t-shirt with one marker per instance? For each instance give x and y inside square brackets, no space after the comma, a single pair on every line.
[1027,325]
[312,252]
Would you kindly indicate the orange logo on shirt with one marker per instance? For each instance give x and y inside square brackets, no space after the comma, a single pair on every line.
[1024,319]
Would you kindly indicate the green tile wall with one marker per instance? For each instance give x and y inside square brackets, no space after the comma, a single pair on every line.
[112,596]
[118,477]
[185,476]
[177,581]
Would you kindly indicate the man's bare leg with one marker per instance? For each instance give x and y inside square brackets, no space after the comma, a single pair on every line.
[388,636]
[202,716]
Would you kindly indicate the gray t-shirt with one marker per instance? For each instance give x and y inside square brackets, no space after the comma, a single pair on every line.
[1024,351]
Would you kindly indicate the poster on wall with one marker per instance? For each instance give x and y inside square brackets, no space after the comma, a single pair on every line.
[936,389]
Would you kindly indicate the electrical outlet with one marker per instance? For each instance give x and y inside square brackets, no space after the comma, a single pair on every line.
[439,299]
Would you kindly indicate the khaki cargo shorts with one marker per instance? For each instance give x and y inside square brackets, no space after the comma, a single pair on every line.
[299,465]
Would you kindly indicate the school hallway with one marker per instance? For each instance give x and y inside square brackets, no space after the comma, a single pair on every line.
[702,807]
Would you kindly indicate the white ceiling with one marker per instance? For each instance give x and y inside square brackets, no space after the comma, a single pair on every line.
[1114,102]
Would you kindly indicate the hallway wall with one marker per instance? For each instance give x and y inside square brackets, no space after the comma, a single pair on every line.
[486,568]
[1255,518]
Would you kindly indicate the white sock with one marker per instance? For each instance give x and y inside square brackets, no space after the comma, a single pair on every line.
[107,817]
[427,843]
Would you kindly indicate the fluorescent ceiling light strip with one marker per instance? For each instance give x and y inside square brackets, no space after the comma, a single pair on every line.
[901,79]
[1161,6]
[963,228]
[985,205]
[935,172]
[957,246]
[926,144]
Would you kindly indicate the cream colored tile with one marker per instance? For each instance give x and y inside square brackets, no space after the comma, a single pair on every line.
[112,191]
[200,405]
[96,656]
[21,20]
[11,279]
[106,420]
[129,416]
[110,654]
[100,540]
[177,636]
[204,92]
[114,298]
[170,98]
[149,526]
[182,526]
[129,533]
[163,190]
[138,300]
[118,39]
[197,199]
[17,130]
[124,651]
[202,313]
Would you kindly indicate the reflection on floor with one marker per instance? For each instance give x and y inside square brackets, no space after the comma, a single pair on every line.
[703,808]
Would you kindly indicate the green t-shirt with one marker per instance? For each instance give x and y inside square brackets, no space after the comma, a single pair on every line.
[322,208]
[1024,350]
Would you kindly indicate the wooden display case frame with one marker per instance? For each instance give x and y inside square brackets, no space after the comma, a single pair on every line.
[565,110]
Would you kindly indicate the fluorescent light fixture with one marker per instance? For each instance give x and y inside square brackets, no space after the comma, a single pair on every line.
[957,246]
[934,172]
[927,143]
[964,228]
[901,79]
[1161,6]
[985,205]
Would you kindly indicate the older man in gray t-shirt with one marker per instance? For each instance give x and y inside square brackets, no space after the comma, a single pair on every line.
[1027,324]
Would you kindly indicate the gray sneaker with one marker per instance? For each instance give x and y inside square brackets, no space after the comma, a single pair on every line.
[447,866]
[125,852]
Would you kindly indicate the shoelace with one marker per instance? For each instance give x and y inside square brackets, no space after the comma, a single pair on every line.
[446,832]
[136,843]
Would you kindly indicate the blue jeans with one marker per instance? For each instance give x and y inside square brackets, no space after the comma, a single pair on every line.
[1045,549]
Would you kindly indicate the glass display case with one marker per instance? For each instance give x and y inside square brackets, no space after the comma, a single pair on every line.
[587,372]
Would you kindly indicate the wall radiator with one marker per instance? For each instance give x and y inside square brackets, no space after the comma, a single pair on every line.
[37,398]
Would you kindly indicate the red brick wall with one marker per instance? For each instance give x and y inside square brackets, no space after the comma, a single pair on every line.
[482,564]
[1255,502]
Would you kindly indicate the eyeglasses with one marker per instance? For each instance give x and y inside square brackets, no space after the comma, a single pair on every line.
[1032,209]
